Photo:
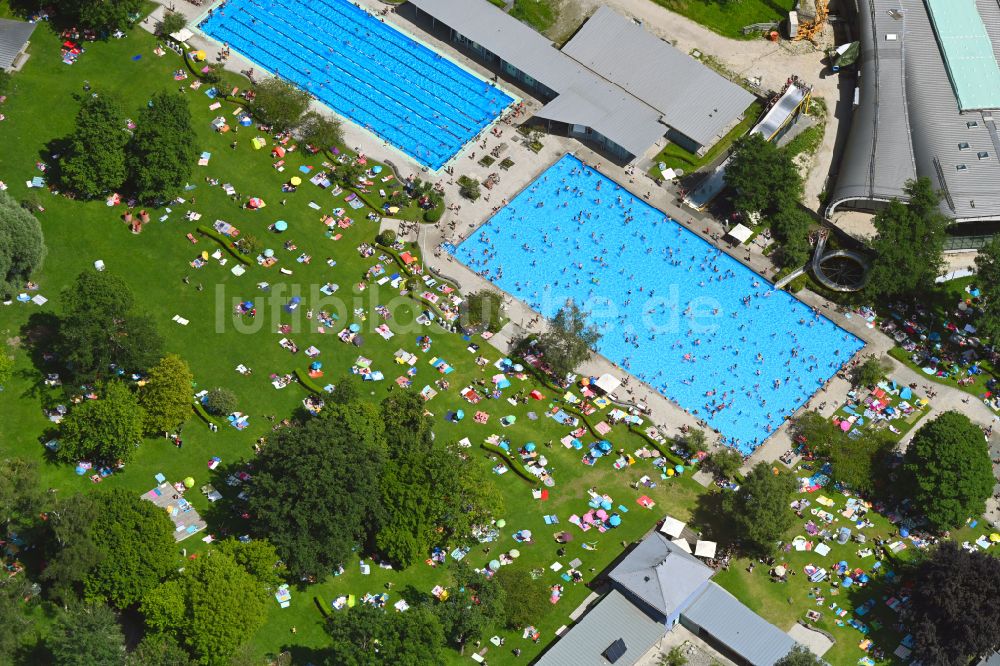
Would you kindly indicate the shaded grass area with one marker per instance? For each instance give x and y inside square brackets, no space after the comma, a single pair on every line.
[676,157]
[807,141]
[539,14]
[727,17]
[155,264]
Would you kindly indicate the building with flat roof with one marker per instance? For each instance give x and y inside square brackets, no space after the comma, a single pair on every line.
[614,84]
[928,91]
[656,586]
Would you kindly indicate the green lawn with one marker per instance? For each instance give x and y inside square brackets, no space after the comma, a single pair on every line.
[155,264]
[675,157]
[539,14]
[727,17]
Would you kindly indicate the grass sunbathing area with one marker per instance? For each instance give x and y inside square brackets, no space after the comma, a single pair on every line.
[194,311]
[728,18]
[675,157]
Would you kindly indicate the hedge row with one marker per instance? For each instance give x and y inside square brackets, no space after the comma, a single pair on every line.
[511,462]
[226,243]
[307,381]
[199,409]
[664,451]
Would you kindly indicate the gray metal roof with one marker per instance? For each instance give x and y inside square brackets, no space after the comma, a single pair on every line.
[13,36]
[613,618]
[990,660]
[908,121]
[693,99]
[661,574]
[615,114]
[603,93]
[737,627]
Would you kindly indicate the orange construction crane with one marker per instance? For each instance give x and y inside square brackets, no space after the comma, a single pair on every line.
[810,23]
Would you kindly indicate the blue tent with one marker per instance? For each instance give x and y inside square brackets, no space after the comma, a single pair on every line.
[605,505]
[615,520]
[280,225]
[529,447]
[604,445]
[459,415]
[679,469]
[905,393]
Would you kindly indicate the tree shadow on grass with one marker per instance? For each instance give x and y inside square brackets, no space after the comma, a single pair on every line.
[229,516]
[709,517]
[301,654]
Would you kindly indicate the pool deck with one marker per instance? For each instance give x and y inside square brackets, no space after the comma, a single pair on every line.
[455,226]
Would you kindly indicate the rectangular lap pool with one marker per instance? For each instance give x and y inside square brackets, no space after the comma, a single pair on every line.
[678,313]
[365,70]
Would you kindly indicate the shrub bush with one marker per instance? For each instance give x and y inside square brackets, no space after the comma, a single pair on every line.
[433,215]
[468,188]
[387,237]
[307,381]
[220,401]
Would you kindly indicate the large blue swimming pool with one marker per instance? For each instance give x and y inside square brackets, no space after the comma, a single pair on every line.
[678,313]
[364,69]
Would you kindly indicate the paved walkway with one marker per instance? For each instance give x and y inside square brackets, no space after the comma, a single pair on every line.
[456,225]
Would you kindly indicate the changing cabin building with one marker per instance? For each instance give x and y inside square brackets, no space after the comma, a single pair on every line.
[656,586]
[613,85]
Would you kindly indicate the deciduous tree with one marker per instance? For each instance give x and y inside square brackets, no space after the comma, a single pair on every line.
[104,430]
[474,603]
[988,281]
[104,16]
[86,636]
[317,487]
[279,103]
[22,245]
[949,471]
[859,463]
[320,131]
[763,176]
[220,401]
[170,23]
[725,463]
[158,649]
[430,496]
[524,597]
[259,557]
[21,494]
[100,327]
[166,395]
[954,609]
[869,373]
[367,636]
[94,162]
[909,242]
[482,309]
[759,509]
[113,546]
[162,151]
[567,341]
[212,607]
[800,655]
[817,432]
